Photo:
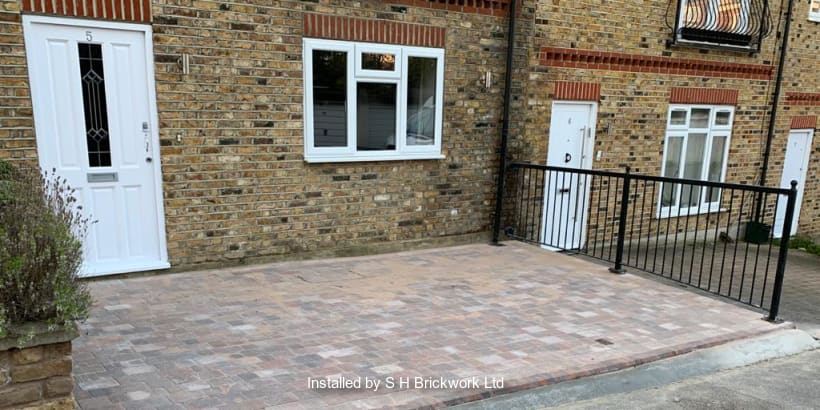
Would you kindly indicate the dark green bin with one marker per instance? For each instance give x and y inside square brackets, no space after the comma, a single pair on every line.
[757,232]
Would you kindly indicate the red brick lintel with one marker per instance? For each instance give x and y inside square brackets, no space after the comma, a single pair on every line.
[374,31]
[577,91]
[599,60]
[691,95]
[119,10]
[804,122]
[810,99]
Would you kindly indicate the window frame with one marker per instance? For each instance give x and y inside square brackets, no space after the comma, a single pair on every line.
[683,131]
[814,15]
[356,75]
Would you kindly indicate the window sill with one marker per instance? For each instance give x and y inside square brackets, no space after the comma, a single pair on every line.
[666,214]
[367,158]
[682,42]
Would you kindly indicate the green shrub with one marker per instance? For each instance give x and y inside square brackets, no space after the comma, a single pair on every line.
[804,243]
[41,253]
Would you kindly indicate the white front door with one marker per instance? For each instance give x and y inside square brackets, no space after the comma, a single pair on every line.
[95,121]
[795,168]
[566,195]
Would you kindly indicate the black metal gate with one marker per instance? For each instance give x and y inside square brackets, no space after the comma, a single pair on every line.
[718,237]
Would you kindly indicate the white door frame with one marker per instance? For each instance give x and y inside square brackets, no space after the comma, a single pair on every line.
[588,147]
[805,162]
[145,29]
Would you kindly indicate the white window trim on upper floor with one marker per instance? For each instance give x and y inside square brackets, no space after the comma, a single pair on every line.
[356,74]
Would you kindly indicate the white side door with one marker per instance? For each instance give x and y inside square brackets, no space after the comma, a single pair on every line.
[566,195]
[795,168]
[95,120]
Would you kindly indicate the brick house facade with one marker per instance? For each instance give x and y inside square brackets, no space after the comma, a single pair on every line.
[617,56]
[230,99]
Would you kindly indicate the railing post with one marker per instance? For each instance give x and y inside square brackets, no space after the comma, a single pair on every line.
[774,309]
[619,252]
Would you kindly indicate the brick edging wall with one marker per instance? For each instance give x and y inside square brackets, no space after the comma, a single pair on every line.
[37,376]
[601,60]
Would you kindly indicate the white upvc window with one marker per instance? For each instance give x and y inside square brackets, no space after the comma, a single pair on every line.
[696,147]
[814,10]
[372,102]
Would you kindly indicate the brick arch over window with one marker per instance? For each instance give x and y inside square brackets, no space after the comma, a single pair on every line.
[138,11]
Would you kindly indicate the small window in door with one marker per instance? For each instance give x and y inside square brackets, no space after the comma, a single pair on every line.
[92,79]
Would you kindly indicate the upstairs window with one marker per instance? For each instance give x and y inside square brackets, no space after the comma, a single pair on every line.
[726,23]
[369,102]
[696,147]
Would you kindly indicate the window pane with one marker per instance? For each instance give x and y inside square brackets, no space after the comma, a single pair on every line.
[722,117]
[381,62]
[329,98]
[678,117]
[674,146]
[700,118]
[92,77]
[376,116]
[693,166]
[716,166]
[421,101]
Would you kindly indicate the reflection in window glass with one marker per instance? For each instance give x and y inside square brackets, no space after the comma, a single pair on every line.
[380,62]
[700,118]
[678,117]
[693,166]
[329,97]
[722,117]
[376,116]
[715,166]
[674,146]
[421,101]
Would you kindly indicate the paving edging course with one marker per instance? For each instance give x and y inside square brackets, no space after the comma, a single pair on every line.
[740,353]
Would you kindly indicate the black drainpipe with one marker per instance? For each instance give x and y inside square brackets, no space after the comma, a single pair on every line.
[775,101]
[505,126]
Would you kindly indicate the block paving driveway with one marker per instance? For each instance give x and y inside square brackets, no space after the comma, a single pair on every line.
[251,337]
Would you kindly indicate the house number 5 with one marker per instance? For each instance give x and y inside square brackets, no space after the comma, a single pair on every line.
[88,36]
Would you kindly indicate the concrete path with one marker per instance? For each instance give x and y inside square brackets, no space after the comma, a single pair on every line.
[800,302]
[604,390]
[255,337]
[787,383]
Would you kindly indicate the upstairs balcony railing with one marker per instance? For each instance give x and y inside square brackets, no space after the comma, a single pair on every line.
[736,24]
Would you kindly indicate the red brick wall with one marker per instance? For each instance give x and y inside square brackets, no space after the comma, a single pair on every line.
[491,7]
[807,99]
[636,63]
[374,31]
[804,122]
[577,91]
[694,95]
[120,10]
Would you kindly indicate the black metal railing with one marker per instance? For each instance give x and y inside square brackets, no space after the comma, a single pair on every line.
[718,237]
[726,23]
